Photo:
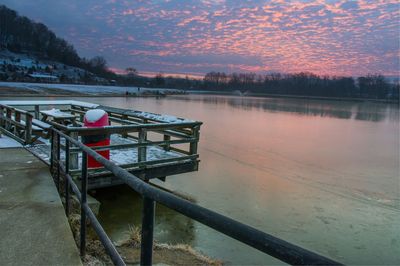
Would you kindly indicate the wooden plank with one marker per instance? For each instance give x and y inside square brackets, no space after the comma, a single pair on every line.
[146,164]
[108,180]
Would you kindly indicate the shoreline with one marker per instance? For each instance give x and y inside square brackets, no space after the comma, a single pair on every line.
[15,91]
[288,96]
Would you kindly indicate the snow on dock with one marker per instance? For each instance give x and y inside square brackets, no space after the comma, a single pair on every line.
[120,156]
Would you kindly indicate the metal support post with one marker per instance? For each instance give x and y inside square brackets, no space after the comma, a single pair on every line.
[83,203]
[66,179]
[146,250]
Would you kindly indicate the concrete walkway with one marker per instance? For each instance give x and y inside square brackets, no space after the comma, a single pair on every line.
[33,226]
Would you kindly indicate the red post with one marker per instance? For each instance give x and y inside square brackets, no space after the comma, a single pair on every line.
[96,118]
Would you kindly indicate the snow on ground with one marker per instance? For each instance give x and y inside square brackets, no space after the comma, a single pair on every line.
[7,142]
[120,156]
[52,102]
[90,89]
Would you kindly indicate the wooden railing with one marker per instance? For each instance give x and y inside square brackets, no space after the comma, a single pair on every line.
[17,124]
[141,130]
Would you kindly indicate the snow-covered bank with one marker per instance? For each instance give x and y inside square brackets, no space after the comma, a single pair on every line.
[87,89]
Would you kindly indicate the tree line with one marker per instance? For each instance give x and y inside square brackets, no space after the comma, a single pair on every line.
[303,84]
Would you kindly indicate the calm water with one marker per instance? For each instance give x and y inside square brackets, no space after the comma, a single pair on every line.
[321,174]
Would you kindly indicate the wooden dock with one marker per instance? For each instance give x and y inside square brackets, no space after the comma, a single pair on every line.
[33,226]
[148,145]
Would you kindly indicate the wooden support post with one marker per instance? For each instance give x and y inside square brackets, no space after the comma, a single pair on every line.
[196,136]
[8,115]
[17,119]
[28,128]
[167,147]
[81,115]
[125,133]
[142,151]
[74,164]
[37,111]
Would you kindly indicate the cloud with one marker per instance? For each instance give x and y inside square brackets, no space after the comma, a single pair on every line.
[335,37]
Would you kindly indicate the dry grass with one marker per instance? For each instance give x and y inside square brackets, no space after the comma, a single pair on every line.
[130,248]
[163,253]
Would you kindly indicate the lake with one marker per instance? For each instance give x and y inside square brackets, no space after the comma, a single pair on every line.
[320,174]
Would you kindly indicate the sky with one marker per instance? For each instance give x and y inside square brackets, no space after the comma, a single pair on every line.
[331,37]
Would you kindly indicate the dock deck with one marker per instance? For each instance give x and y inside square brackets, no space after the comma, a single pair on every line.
[33,226]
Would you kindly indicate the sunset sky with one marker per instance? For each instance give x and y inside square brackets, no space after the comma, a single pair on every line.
[325,37]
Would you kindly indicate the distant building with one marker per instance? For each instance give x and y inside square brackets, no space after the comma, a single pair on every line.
[39,77]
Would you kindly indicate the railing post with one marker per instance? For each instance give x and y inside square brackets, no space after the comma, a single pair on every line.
[146,249]
[66,179]
[37,111]
[8,115]
[52,150]
[81,116]
[2,122]
[167,147]
[142,150]
[74,155]
[58,162]
[83,203]
[125,133]
[28,128]
[17,119]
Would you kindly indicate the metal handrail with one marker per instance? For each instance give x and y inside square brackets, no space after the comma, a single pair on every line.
[264,242]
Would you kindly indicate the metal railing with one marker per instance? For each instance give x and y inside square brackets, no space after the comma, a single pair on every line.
[264,242]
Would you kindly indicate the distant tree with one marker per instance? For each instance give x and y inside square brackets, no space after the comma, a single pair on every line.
[98,63]
[130,71]
[159,79]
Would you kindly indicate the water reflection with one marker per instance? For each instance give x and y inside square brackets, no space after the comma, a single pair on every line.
[306,171]
[343,110]
[121,206]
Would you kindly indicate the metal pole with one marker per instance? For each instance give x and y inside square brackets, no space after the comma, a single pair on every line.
[52,151]
[146,250]
[83,203]
[58,162]
[66,179]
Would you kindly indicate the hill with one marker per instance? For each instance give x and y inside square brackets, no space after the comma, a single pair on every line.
[27,47]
